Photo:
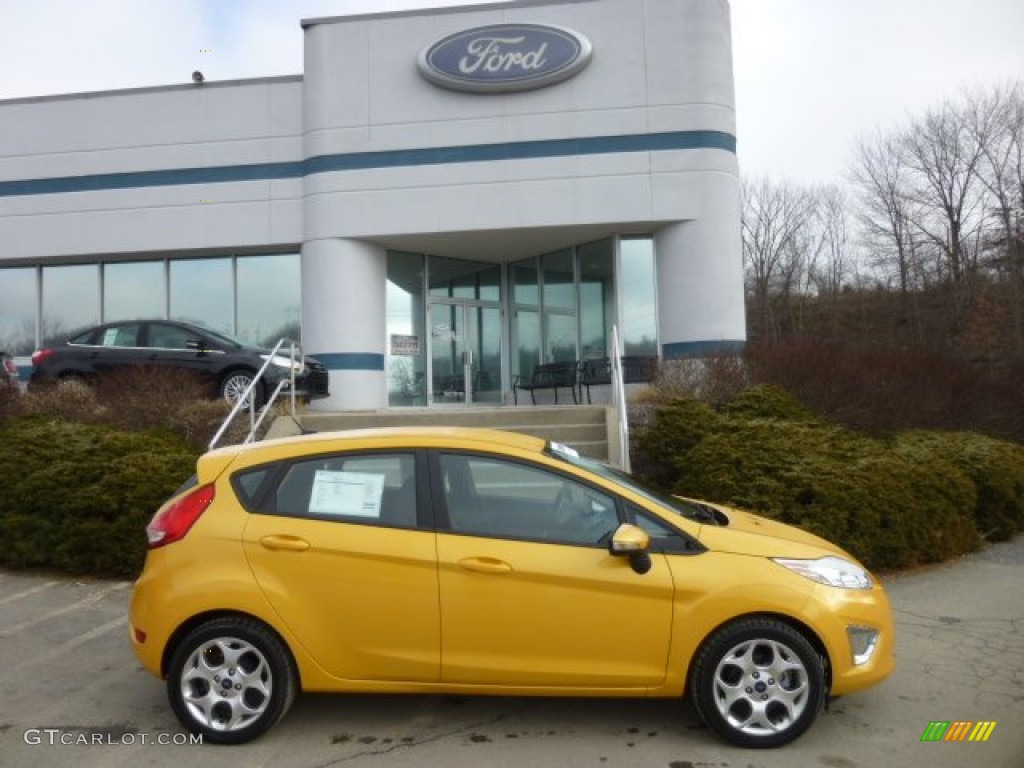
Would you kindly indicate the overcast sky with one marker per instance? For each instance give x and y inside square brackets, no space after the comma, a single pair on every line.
[811,75]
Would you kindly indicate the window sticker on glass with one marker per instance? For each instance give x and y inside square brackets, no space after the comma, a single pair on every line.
[110,337]
[353,494]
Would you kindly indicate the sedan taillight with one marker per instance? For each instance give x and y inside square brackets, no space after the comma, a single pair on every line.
[40,355]
[10,367]
[172,522]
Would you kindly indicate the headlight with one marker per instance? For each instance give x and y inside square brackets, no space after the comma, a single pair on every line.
[282,362]
[832,571]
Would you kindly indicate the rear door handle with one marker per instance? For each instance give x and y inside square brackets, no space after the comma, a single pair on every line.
[283,543]
[485,565]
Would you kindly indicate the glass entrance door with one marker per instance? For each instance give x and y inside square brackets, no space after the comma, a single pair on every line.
[465,353]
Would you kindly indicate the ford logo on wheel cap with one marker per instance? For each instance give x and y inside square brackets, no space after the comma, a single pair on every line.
[505,57]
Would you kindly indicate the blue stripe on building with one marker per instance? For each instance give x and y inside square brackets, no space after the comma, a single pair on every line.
[351,361]
[702,348]
[400,158]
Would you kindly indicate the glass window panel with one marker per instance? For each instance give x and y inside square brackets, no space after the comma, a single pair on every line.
[559,280]
[71,300]
[134,291]
[126,335]
[527,341]
[504,499]
[371,489]
[456,278]
[597,297]
[561,330]
[524,283]
[639,306]
[269,290]
[18,310]
[485,331]
[201,293]
[407,343]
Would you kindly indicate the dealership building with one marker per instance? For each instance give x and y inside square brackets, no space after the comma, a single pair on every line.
[443,200]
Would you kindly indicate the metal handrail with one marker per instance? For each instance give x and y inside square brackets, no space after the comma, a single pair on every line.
[619,401]
[248,399]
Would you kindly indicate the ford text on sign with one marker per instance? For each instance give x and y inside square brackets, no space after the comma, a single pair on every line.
[505,57]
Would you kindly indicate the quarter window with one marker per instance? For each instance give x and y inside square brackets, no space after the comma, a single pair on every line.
[491,497]
[369,489]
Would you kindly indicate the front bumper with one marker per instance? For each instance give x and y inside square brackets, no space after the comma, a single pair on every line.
[859,636]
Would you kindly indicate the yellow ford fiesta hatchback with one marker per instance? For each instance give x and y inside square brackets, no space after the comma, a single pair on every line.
[484,562]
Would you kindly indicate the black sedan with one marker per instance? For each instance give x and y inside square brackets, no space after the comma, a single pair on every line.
[227,364]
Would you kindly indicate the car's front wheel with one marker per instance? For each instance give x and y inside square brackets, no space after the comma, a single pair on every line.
[758,683]
[230,680]
[235,384]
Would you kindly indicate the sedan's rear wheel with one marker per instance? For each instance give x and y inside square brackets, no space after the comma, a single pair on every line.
[230,680]
[758,683]
[235,384]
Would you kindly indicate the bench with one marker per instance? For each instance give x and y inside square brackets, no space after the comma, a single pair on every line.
[547,376]
[636,369]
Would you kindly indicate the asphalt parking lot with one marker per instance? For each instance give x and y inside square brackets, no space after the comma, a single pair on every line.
[73,694]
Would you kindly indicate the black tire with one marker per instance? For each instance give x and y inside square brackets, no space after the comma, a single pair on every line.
[775,678]
[234,383]
[242,661]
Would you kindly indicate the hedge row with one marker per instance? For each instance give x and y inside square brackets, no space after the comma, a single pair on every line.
[916,497]
[77,497]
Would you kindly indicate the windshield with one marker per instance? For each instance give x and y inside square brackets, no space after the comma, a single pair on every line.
[681,507]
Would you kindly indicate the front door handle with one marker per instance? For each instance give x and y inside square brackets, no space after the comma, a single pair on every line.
[283,543]
[484,565]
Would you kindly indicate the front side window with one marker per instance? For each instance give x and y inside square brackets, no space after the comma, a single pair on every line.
[487,496]
[169,336]
[368,489]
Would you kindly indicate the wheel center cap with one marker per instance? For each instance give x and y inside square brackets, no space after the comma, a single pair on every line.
[760,687]
[225,684]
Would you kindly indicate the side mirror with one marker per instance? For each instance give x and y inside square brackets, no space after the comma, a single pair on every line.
[632,542]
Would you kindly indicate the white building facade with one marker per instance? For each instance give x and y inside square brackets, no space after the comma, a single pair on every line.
[442,201]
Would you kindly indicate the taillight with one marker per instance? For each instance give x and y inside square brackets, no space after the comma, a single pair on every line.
[9,366]
[40,355]
[174,521]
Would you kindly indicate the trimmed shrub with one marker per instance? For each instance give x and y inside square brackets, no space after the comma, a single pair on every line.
[896,503]
[995,467]
[77,497]
[139,399]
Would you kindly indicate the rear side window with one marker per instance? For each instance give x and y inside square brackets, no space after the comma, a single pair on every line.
[119,336]
[368,489]
[247,484]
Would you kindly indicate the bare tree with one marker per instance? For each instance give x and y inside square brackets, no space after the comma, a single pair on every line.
[997,121]
[773,216]
[833,258]
[944,155]
[882,178]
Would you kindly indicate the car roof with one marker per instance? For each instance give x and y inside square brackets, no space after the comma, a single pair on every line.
[410,437]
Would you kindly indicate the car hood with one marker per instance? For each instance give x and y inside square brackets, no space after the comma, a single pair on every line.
[750,534]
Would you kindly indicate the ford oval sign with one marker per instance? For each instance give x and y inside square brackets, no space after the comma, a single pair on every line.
[505,57]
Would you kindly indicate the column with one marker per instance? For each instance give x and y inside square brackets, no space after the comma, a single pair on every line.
[343,320]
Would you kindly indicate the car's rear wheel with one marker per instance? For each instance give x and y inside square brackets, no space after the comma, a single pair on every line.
[230,680]
[758,683]
[234,385]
